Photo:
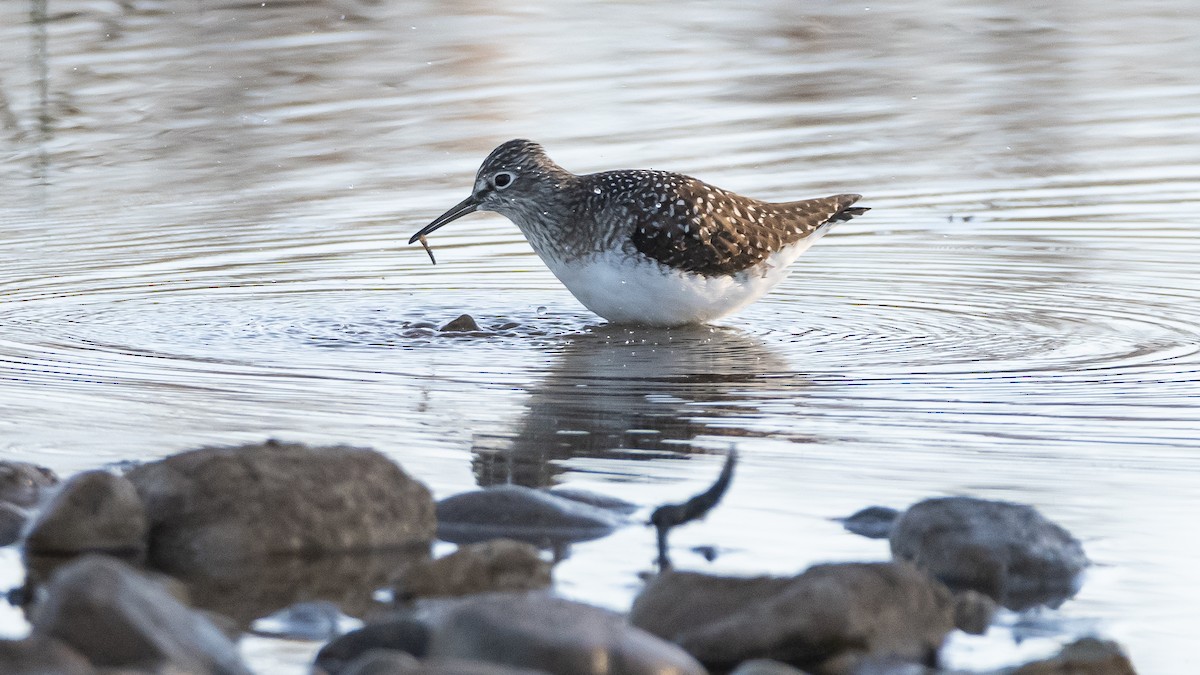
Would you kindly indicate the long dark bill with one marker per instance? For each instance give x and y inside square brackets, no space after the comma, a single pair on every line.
[464,207]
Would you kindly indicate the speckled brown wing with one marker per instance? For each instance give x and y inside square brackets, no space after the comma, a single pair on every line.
[709,231]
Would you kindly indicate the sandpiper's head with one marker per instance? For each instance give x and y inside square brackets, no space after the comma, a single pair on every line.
[517,180]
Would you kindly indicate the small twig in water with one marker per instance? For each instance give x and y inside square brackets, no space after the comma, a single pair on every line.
[672,515]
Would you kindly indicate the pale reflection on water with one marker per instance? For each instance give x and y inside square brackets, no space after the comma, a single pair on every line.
[205,203]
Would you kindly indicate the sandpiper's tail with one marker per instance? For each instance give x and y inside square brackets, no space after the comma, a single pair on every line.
[846,210]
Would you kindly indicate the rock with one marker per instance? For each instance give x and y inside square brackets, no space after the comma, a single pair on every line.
[541,632]
[973,612]
[1085,656]
[313,620]
[765,667]
[23,484]
[463,324]
[12,521]
[496,565]
[873,522]
[402,634]
[252,589]
[227,504]
[93,511]
[606,502]
[521,513]
[37,655]
[828,619]
[115,617]
[1004,550]
[387,662]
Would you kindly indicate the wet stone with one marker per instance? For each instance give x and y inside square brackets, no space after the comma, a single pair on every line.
[873,522]
[765,667]
[222,505]
[314,620]
[1085,656]
[23,484]
[829,619]
[37,655]
[603,501]
[12,520]
[403,634]
[116,617]
[495,565]
[92,511]
[521,513]
[973,612]
[384,662]
[463,324]
[541,632]
[1007,551]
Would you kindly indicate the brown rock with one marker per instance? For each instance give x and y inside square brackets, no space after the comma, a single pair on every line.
[463,324]
[227,504]
[1087,656]
[496,565]
[828,619]
[93,511]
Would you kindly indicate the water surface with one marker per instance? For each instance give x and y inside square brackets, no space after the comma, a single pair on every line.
[205,206]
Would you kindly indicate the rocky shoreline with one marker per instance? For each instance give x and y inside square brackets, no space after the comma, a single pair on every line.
[161,569]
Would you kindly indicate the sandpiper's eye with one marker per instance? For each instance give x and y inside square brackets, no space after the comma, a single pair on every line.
[502,180]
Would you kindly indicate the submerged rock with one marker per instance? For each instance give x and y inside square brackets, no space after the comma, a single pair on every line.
[541,632]
[873,522]
[313,620]
[1007,551]
[515,512]
[1087,656]
[830,619]
[496,565]
[386,662]
[117,618]
[38,655]
[463,324]
[93,511]
[23,484]
[12,521]
[603,501]
[406,635]
[220,505]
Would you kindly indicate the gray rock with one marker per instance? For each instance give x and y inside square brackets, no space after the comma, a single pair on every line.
[1004,550]
[402,634]
[606,502]
[496,565]
[12,521]
[973,612]
[873,522]
[115,617]
[93,511]
[23,484]
[387,662]
[828,619]
[765,667]
[38,655]
[227,504]
[541,632]
[521,513]
[1087,656]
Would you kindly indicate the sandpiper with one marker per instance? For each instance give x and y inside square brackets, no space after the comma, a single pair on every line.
[647,247]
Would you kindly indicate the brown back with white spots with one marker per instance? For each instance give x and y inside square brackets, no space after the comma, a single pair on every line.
[689,225]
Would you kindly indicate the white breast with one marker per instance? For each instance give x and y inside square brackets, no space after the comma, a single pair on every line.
[635,289]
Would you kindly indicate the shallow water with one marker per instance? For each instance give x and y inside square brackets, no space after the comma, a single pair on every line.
[205,206]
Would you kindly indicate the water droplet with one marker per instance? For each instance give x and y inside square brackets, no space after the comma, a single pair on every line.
[541,311]
[596,190]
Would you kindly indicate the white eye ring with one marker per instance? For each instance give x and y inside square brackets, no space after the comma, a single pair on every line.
[503,179]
